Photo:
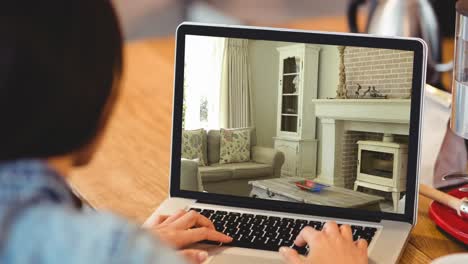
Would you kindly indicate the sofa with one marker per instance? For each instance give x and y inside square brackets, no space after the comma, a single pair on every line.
[190,178]
[232,178]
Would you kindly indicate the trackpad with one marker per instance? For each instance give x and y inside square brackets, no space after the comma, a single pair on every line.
[224,258]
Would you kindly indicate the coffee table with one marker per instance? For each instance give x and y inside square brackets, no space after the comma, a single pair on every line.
[284,189]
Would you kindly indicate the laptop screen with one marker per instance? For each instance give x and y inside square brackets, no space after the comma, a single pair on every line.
[296,122]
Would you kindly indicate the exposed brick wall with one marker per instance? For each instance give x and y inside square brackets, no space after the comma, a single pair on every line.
[349,158]
[390,71]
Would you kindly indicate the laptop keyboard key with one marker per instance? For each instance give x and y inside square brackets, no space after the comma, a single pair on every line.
[300,250]
[274,241]
[316,225]
[259,240]
[287,243]
[285,236]
[206,213]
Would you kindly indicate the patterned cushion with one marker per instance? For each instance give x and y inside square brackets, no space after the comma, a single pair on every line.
[194,145]
[235,145]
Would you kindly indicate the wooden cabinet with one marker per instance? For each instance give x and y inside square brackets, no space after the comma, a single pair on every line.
[296,123]
[300,157]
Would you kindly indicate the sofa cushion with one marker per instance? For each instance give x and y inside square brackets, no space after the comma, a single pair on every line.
[194,145]
[213,144]
[252,170]
[213,141]
[235,145]
[215,173]
[223,172]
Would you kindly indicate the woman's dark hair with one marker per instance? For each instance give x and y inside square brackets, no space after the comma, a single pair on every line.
[60,62]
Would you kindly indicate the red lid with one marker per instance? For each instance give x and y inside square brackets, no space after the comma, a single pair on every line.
[448,220]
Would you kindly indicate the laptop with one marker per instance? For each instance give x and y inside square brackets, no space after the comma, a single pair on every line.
[278,129]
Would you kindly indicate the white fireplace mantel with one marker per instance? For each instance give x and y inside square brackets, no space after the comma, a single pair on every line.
[376,110]
[336,116]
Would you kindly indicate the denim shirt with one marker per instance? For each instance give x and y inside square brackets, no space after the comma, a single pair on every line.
[41,222]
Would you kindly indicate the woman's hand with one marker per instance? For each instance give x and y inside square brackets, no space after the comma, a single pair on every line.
[185,228]
[331,245]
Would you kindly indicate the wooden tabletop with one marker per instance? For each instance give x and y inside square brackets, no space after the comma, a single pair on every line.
[286,190]
[130,173]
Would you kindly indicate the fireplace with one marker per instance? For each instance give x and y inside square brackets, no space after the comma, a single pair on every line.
[359,115]
[382,165]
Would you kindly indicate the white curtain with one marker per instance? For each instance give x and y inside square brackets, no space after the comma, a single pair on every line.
[236,94]
[202,81]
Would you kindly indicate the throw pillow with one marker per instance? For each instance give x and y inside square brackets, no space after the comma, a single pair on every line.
[194,145]
[234,145]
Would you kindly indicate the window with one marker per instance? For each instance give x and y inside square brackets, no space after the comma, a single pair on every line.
[202,82]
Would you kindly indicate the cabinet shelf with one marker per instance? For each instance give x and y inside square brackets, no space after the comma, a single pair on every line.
[291,74]
[290,94]
[284,114]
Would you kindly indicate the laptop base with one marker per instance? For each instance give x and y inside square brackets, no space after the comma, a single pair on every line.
[386,247]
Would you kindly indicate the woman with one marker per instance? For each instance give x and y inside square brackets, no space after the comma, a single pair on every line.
[60,67]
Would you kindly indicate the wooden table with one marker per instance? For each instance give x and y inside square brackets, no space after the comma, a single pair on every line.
[129,174]
[284,189]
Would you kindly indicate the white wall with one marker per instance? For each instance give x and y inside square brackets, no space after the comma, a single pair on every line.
[264,64]
[328,71]
[264,67]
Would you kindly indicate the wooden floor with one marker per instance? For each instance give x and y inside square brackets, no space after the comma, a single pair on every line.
[129,174]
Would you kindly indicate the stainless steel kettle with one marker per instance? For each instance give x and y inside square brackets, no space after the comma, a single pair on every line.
[405,18]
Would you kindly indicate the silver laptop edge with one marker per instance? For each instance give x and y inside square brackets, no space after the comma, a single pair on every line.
[391,234]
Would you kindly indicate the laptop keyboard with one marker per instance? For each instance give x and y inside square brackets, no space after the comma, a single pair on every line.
[268,232]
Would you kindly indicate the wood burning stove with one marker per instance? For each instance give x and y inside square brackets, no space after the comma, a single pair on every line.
[382,165]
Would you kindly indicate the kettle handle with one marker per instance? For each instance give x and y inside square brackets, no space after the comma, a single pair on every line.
[352,13]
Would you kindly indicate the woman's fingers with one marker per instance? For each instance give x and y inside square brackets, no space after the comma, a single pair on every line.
[194,256]
[203,233]
[346,232]
[331,229]
[184,238]
[174,217]
[192,219]
[185,228]
[160,219]
[290,255]
[309,235]
[362,245]
[306,236]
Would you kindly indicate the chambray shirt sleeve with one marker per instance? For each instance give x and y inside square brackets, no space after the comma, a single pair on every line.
[47,234]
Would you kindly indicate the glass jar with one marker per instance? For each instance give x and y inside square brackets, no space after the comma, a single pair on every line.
[459,119]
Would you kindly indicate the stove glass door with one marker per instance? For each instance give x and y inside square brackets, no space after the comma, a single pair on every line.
[376,163]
